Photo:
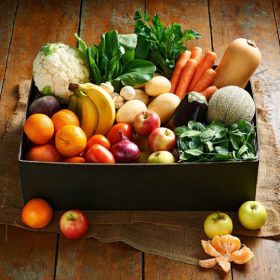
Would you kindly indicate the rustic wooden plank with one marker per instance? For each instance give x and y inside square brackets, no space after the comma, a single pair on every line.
[26,255]
[159,268]
[254,20]
[7,16]
[100,16]
[276,6]
[35,25]
[264,265]
[91,259]
[190,14]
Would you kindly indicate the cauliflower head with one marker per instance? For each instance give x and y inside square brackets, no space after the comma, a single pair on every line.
[57,65]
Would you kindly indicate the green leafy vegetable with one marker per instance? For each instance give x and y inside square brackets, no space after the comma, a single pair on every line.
[216,142]
[114,60]
[160,44]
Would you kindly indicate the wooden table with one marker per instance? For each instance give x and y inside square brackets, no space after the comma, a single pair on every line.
[24,27]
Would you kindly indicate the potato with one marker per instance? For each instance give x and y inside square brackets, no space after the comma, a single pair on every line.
[165,105]
[142,96]
[129,110]
[143,85]
[157,85]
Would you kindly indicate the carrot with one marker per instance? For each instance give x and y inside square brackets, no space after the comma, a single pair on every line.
[207,62]
[196,53]
[209,92]
[206,80]
[186,77]
[181,62]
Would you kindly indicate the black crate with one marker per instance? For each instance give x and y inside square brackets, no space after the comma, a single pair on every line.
[182,186]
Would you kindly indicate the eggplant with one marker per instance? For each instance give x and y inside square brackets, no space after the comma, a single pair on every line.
[192,107]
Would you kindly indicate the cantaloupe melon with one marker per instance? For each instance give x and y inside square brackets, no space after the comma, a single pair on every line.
[230,105]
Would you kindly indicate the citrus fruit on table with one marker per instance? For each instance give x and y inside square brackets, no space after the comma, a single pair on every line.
[64,117]
[39,128]
[70,140]
[45,152]
[37,213]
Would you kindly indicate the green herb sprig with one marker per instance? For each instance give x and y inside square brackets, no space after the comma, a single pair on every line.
[160,44]
[216,142]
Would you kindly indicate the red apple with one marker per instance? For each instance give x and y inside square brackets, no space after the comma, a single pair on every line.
[145,122]
[161,139]
[74,224]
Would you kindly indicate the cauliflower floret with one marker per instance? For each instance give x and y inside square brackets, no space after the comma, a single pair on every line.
[57,65]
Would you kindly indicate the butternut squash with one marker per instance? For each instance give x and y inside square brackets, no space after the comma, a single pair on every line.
[239,62]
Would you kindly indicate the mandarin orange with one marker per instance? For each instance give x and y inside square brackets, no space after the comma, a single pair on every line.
[64,117]
[70,140]
[47,153]
[37,213]
[39,128]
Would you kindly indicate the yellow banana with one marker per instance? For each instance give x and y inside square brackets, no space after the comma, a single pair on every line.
[73,103]
[104,105]
[88,114]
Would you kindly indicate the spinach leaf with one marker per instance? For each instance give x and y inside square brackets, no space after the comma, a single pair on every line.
[137,71]
[216,142]
[114,60]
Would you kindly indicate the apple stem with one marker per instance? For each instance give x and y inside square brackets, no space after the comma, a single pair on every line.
[71,217]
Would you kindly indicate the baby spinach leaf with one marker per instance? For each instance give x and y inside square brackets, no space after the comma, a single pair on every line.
[198,142]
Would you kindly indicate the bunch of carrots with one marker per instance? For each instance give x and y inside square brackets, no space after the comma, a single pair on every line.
[193,72]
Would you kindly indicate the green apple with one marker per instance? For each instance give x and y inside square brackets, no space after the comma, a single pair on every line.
[252,215]
[161,157]
[217,223]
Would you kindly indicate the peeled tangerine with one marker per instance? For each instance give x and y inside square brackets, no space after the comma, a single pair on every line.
[225,249]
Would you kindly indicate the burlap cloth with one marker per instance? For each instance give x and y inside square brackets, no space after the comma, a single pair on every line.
[175,235]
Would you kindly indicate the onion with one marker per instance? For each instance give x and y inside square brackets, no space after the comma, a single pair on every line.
[125,151]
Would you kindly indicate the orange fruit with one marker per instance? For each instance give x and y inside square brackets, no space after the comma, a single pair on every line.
[225,249]
[37,213]
[39,128]
[75,159]
[45,152]
[70,140]
[64,117]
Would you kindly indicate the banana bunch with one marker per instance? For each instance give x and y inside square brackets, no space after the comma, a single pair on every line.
[94,107]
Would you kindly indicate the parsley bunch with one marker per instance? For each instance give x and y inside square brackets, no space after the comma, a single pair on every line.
[160,44]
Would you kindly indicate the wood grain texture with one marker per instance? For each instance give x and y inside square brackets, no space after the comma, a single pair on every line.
[264,265]
[276,6]
[158,268]
[101,16]
[190,14]
[91,259]
[7,15]
[26,255]
[34,28]
[255,20]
